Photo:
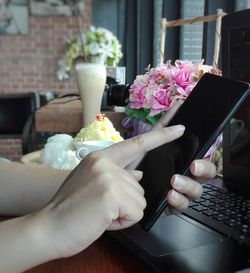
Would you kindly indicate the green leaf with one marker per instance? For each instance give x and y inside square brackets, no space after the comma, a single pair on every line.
[142,114]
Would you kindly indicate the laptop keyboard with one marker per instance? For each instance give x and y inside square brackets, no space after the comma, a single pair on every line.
[225,212]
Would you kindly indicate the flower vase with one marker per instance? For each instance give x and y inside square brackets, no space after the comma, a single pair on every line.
[135,126]
[91,79]
[98,59]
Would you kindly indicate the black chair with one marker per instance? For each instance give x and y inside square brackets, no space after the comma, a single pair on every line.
[235,45]
[235,38]
[17,113]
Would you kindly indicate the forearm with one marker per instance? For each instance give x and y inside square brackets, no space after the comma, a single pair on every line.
[23,245]
[25,188]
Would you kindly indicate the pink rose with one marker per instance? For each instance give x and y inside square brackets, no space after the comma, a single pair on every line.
[148,95]
[185,64]
[182,77]
[159,86]
[184,92]
[136,96]
[160,102]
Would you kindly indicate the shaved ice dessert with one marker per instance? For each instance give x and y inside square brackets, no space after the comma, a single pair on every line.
[100,129]
[60,150]
[58,153]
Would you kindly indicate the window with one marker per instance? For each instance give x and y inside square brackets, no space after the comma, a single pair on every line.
[196,41]
[136,24]
[191,35]
[242,4]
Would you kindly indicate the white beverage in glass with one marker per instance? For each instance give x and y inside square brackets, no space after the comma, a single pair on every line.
[91,79]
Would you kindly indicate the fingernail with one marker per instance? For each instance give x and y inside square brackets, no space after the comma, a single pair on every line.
[179,128]
[178,183]
[175,195]
[199,168]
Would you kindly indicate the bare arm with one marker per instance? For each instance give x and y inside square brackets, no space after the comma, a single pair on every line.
[31,187]
[23,244]
[26,188]
[100,194]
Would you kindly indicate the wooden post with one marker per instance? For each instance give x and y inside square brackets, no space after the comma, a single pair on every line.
[180,22]
[217,39]
[162,39]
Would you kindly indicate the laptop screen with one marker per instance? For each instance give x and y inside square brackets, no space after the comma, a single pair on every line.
[236,137]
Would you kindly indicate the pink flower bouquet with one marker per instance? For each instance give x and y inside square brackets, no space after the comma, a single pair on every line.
[153,93]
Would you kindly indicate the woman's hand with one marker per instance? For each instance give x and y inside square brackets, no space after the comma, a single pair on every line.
[99,194]
[161,123]
[186,188]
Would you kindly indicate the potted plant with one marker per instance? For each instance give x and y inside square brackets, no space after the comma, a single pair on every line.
[97,45]
[152,94]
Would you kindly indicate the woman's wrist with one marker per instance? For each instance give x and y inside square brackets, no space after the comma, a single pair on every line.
[38,225]
[48,232]
[24,244]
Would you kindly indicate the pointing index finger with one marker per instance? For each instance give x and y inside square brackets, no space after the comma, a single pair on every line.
[125,152]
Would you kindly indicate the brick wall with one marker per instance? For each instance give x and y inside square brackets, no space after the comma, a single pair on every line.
[11,149]
[28,63]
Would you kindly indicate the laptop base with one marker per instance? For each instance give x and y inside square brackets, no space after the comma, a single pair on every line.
[175,245]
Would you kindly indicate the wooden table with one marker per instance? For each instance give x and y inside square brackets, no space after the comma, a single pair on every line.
[104,256]
[65,116]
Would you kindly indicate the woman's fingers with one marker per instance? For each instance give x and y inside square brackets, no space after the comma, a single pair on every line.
[187,186]
[184,188]
[177,200]
[133,180]
[136,174]
[162,122]
[126,151]
[165,119]
[203,168]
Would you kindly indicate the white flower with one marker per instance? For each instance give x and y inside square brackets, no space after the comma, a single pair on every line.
[107,35]
[95,42]
[95,49]
[205,68]
[62,74]
[109,51]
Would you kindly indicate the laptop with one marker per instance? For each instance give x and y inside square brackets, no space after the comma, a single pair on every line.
[213,234]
